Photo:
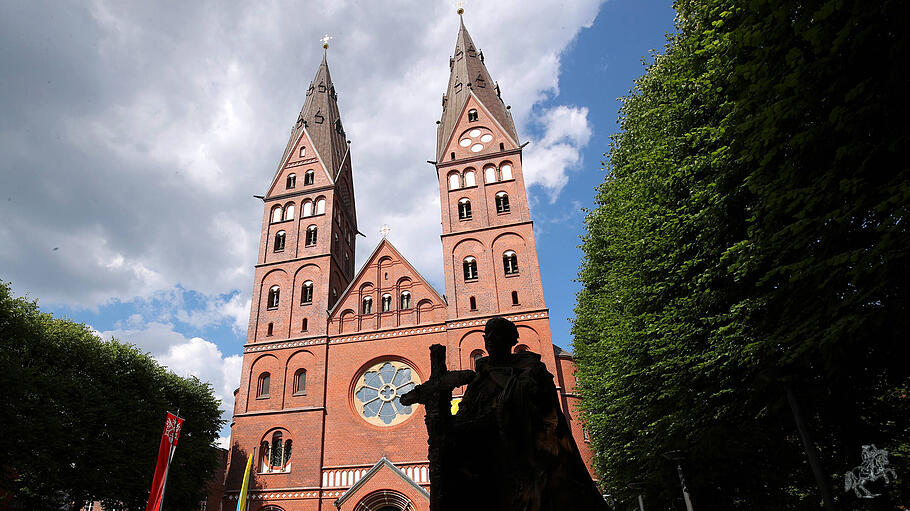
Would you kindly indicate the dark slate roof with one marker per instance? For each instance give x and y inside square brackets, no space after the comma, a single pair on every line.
[322,121]
[469,74]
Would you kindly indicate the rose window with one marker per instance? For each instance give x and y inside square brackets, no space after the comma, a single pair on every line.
[475,139]
[378,392]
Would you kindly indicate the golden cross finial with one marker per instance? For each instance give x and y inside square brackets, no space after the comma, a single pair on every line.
[385,230]
[459,7]
[325,41]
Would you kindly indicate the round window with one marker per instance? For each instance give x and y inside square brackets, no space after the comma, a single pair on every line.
[377,393]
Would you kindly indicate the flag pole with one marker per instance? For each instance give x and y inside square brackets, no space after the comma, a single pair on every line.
[170,458]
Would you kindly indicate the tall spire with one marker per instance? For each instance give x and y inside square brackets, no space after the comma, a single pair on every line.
[468,75]
[322,120]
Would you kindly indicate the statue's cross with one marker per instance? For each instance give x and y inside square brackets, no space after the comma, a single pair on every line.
[325,40]
[436,395]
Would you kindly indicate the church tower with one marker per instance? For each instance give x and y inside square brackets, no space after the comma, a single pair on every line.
[329,351]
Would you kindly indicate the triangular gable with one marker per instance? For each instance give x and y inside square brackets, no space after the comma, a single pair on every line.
[462,123]
[292,156]
[382,465]
[384,248]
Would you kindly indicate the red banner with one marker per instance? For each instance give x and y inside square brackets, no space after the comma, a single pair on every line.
[165,452]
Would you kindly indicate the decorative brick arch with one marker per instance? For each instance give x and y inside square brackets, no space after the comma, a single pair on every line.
[382,498]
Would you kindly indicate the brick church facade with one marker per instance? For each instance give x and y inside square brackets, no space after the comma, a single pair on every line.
[329,351]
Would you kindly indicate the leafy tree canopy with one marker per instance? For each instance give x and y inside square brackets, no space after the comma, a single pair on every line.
[82,417]
[751,237]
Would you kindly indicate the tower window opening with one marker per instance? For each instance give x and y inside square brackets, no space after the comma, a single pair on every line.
[311,236]
[277,456]
[308,177]
[307,208]
[470,268]
[304,325]
[367,305]
[490,174]
[472,115]
[464,209]
[502,202]
[262,388]
[276,214]
[453,155]
[302,151]
[306,293]
[514,297]
[270,329]
[274,293]
[510,262]
[386,302]
[475,356]
[289,212]
[469,178]
[505,171]
[320,206]
[502,147]
[405,300]
[454,181]
[473,303]
[279,241]
[300,382]
[291,181]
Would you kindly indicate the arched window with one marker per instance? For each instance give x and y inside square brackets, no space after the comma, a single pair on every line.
[274,293]
[270,329]
[490,174]
[475,356]
[289,212]
[307,208]
[262,388]
[311,235]
[276,214]
[302,151]
[291,181]
[303,325]
[472,115]
[469,178]
[405,302]
[505,171]
[306,292]
[308,177]
[521,347]
[386,302]
[510,262]
[300,382]
[367,306]
[473,303]
[320,206]
[279,241]
[470,268]
[453,181]
[276,455]
[464,209]
[514,297]
[502,202]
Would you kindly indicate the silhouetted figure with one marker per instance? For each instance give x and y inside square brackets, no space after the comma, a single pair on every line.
[509,447]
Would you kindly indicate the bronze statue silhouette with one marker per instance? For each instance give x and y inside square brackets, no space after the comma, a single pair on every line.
[509,447]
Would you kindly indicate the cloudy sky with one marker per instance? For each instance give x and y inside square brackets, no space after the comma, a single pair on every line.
[134,135]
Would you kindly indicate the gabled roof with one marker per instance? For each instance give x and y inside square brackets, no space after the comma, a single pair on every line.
[469,74]
[370,473]
[322,121]
[373,256]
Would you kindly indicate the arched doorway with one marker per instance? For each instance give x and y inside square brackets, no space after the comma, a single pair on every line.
[385,500]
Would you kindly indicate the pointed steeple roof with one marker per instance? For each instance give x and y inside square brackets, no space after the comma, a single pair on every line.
[322,121]
[468,75]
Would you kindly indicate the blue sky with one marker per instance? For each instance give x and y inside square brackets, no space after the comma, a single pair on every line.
[134,138]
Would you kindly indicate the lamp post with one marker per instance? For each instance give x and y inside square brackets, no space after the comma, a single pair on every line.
[678,457]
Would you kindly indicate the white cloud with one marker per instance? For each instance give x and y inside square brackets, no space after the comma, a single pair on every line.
[133,145]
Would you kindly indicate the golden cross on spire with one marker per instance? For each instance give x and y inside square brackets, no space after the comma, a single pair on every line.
[325,41]
[385,230]
[459,7]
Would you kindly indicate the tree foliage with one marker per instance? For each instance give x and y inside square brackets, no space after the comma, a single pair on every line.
[82,417]
[751,236]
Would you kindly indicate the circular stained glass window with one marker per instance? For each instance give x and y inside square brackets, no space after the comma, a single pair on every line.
[377,393]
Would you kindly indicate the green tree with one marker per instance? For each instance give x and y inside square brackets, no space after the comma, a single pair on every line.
[751,236]
[82,417]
